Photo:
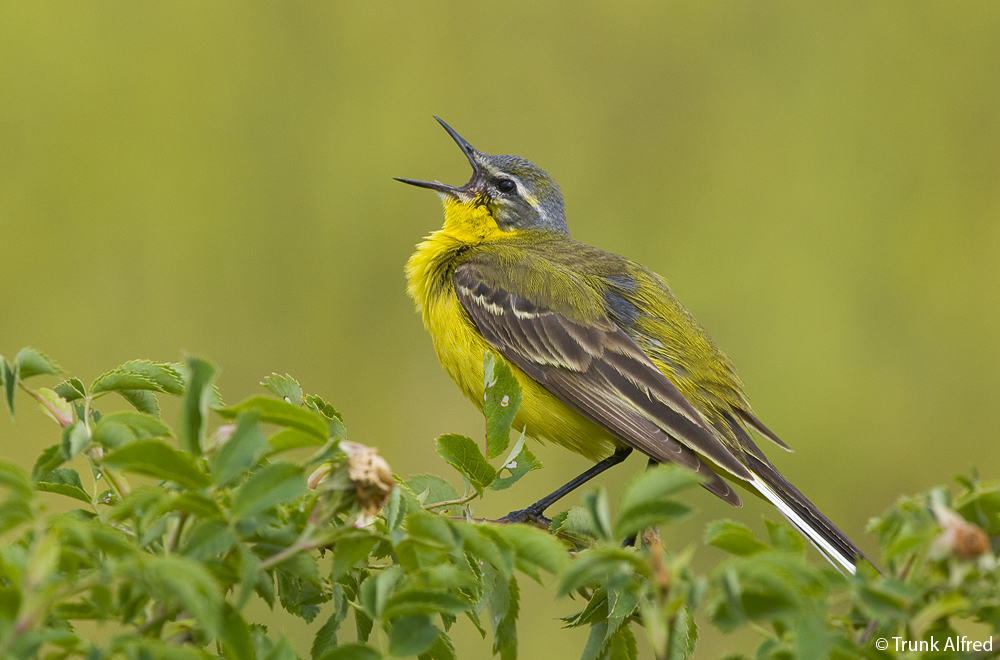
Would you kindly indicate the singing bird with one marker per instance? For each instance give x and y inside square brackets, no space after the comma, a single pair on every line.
[608,359]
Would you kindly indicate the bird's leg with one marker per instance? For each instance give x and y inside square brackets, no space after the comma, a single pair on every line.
[630,540]
[534,512]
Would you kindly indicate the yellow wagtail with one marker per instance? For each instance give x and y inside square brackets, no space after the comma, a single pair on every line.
[609,361]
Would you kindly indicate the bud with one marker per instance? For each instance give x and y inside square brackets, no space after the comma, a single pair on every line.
[958,536]
[371,476]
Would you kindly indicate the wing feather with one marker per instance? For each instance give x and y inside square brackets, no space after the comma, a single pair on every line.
[598,370]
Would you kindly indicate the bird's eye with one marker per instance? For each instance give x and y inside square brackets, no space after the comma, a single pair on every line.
[506,186]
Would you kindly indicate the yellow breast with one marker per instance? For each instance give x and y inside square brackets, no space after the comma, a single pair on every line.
[460,349]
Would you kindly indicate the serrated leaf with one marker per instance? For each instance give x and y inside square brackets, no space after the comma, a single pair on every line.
[518,464]
[273,484]
[577,521]
[537,547]
[501,400]
[412,635]
[63,481]
[683,636]
[431,488]
[116,381]
[142,400]
[282,413]
[733,537]
[241,451]
[71,389]
[462,453]
[146,375]
[32,362]
[155,459]
[284,387]
[504,607]
[194,409]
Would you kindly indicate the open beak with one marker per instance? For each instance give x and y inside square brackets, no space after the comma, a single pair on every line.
[468,190]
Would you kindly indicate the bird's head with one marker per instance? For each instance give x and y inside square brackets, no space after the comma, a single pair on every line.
[515,192]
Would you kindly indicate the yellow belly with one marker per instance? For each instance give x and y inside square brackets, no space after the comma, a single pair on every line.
[460,349]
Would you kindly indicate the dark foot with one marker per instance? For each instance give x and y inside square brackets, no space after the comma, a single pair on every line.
[629,542]
[526,515]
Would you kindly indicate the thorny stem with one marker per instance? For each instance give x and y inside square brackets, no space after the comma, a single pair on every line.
[63,422]
[462,500]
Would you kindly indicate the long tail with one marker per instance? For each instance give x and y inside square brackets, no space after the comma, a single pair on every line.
[804,516]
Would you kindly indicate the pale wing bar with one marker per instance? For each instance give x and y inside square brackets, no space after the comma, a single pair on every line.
[600,372]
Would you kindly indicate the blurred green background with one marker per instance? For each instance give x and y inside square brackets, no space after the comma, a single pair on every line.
[818,181]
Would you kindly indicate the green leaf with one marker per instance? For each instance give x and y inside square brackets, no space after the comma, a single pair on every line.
[733,537]
[282,413]
[194,408]
[599,565]
[10,376]
[32,362]
[424,601]
[208,539]
[519,463]
[50,458]
[75,439]
[375,590]
[683,636]
[236,643]
[462,453]
[504,606]
[118,429]
[142,400]
[71,389]
[352,652]
[430,488]
[58,409]
[537,547]
[412,635]
[784,538]
[241,451]
[155,459]
[596,504]
[348,552]
[284,387]
[273,484]
[140,375]
[65,482]
[335,420]
[501,398]
[16,479]
[188,582]
[656,484]
[288,439]
[644,515]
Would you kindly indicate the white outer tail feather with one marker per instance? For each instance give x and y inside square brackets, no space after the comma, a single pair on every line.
[821,544]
